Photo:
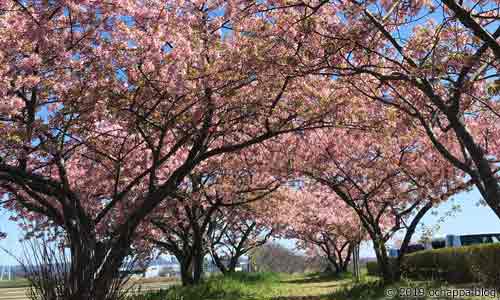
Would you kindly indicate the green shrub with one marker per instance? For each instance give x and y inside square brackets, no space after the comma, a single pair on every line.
[373,268]
[485,264]
[448,264]
[456,265]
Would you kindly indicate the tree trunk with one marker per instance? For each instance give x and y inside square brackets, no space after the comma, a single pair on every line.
[344,263]
[220,265]
[333,262]
[186,273]
[233,262]
[483,174]
[486,181]
[407,238]
[82,284]
[92,270]
[198,257]
[197,268]
[383,261]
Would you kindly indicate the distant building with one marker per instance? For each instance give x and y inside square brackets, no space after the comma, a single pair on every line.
[162,267]
[450,241]
[242,266]
[394,252]
[166,270]
[6,273]
[471,239]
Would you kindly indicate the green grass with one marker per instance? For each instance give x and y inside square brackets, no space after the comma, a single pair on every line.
[254,286]
[271,286]
[17,283]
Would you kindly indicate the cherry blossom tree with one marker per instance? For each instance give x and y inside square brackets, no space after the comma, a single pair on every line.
[109,111]
[236,232]
[210,210]
[183,237]
[321,223]
[107,107]
[389,176]
[453,81]
[436,62]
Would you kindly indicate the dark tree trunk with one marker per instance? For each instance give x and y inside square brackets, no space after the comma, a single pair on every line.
[233,262]
[186,273]
[485,179]
[407,238]
[220,265]
[475,162]
[344,262]
[383,260]
[198,256]
[93,270]
[333,263]
[197,268]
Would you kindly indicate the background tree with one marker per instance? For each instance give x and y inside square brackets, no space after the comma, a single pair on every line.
[274,257]
[237,231]
[209,207]
[322,225]
[389,176]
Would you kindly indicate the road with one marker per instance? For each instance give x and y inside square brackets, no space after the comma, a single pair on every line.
[20,293]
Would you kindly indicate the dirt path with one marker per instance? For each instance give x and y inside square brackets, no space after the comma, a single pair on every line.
[20,293]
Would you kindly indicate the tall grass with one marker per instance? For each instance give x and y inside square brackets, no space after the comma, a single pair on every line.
[233,287]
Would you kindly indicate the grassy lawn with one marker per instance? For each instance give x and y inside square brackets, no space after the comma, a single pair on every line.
[257,286]
[254,286]
[272,286]
[269,286]
[14,283]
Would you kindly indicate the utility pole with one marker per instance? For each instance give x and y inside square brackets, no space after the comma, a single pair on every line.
[356,268]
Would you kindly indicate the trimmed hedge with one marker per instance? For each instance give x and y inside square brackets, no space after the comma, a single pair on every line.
[373,269]
[478,263]
[485,265]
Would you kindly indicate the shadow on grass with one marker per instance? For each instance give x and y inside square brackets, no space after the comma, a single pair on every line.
[198,294]
[319,297]
[254,278]
[320,278]
[364,290]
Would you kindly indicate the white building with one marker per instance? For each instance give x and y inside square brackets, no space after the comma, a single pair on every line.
[164,270]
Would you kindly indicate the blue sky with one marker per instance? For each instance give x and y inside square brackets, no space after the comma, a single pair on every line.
[471,218]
